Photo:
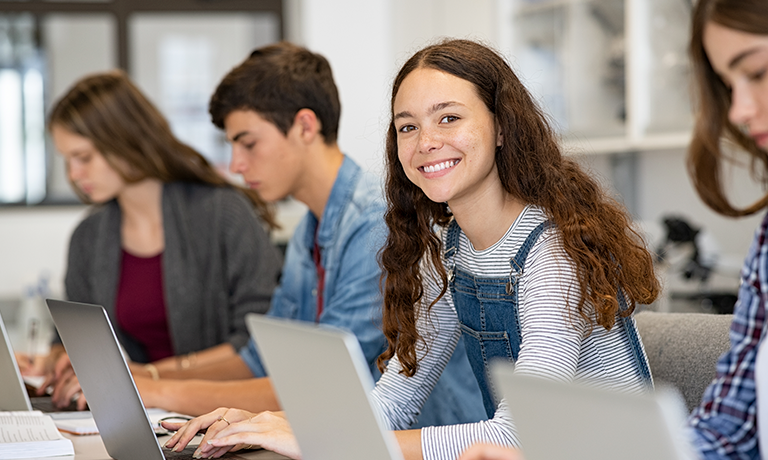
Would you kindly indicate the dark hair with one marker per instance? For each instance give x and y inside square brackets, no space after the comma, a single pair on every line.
[277,81]
[595,229]
[123,125]
[706,155]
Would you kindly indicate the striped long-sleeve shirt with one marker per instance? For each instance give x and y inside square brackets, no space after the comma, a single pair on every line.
[557,342]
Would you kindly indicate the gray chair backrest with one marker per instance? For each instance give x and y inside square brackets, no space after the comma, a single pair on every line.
[683,349]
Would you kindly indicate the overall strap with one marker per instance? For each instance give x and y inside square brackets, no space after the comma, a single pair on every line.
[517,263]
[451,246]
[634,339]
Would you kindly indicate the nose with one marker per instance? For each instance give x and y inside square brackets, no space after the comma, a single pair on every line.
[75,171]
[237,163]
[743,107]
[429,140]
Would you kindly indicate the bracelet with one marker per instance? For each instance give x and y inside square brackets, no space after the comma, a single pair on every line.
[152,371]
[187,361]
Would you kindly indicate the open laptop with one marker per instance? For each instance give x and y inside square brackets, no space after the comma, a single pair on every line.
[14,396]
[576,421]
[323,383]
[107,383]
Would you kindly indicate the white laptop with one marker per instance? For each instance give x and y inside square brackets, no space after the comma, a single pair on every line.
[323,383]
[107,383]
[557,420]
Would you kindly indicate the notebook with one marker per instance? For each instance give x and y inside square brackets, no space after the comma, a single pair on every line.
[107,383]
[323,383]
[580,422]
[14,396]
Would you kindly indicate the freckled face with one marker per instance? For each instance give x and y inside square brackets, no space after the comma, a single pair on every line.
[741,61]
[446,137]
[86,166]
[265,157]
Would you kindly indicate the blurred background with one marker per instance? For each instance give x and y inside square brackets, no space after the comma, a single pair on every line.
[612,75]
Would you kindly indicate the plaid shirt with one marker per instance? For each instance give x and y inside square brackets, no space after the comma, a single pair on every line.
[724,425]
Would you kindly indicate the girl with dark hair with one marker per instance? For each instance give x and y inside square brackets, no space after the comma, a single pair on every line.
[175,253]
[493,235]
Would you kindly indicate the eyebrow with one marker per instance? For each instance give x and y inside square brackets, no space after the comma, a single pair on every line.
[437,107]
[741,56]
[239,135]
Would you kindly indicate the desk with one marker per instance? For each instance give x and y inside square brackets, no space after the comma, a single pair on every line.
[91,448]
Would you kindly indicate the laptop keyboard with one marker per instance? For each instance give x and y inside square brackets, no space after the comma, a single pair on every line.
[45,404]
[184,454]
[188,452]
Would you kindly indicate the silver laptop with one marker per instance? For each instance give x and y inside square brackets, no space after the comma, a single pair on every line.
[575,421]
[107,383]
[14,394]
[323,383]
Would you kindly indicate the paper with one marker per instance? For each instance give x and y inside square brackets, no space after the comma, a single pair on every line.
[85,425]
[31,434]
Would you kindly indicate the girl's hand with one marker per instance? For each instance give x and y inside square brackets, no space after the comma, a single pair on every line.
[269,430]
[491,452]
[211,423]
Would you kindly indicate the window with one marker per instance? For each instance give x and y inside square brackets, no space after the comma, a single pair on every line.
[176,51]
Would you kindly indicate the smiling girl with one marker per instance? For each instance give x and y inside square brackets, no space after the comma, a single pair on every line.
[531,261]
[493,235]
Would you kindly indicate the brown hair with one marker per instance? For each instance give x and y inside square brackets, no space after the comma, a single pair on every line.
[705,155]
[277,81]
[128,130]
[595,230]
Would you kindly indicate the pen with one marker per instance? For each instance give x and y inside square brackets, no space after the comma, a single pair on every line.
[32,338]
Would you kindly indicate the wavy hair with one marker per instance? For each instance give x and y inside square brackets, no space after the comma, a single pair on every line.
[134,137]
[705,154]
[595,230]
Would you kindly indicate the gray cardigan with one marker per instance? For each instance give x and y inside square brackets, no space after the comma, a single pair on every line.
[218,265]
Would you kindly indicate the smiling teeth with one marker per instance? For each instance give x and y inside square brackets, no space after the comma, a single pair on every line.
[440,166]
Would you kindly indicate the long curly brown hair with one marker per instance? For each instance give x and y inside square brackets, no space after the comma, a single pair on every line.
[126,128]
[705,154]
[595,230]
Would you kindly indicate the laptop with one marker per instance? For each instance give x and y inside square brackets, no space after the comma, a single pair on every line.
[107,383]
[581,422]
[323,383]
[14,396]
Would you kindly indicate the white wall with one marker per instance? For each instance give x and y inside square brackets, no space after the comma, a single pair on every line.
[33,242]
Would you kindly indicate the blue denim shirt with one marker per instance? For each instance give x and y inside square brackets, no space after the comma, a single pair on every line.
[352,231]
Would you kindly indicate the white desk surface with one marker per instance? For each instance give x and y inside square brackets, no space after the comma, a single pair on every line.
[91,448]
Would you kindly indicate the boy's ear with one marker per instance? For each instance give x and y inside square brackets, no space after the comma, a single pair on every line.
[307,124]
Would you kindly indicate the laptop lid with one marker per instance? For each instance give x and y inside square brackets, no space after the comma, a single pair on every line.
[323,383]
[114,401]
[576,421]
[14,395]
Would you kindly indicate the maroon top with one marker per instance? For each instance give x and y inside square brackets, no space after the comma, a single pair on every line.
[316,256]
[140,305]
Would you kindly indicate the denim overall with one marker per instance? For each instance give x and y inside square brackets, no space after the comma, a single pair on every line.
[488,313]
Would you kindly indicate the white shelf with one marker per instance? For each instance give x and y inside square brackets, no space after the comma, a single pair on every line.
[608,145]
[610,73]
